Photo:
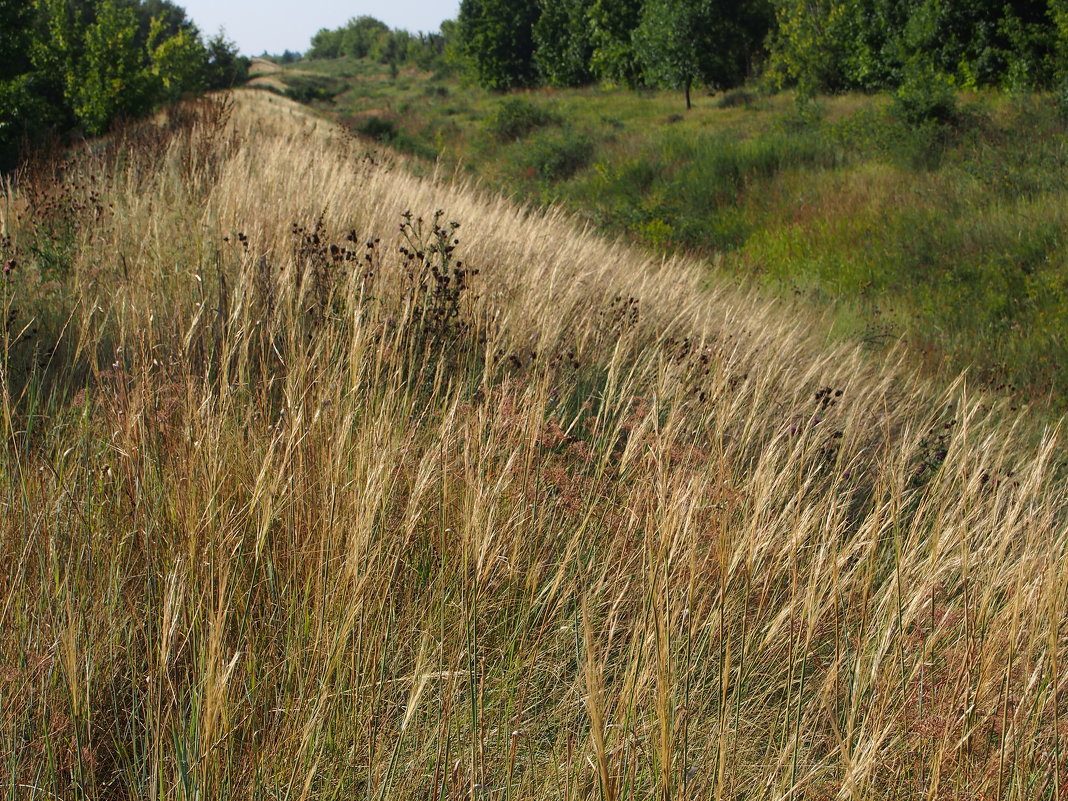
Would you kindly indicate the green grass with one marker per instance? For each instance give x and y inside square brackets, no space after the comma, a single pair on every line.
[946,234]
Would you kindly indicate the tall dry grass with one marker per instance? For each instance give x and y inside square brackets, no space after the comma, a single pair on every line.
[292,512]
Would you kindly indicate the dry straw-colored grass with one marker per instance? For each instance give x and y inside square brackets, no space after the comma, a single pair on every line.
[287,514]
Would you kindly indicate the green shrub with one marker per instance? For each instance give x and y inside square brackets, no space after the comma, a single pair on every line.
[926,96]
[309,88]
[385,130]
[558,157]
[515,118]
[380,129]
[736,98]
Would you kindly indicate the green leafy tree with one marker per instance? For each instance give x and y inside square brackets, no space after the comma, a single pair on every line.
[362,36]
[161,16]
[497,40]
[1058,15]
[326,44]
[15,29]
[876,53]
[612,25]
[82,63]
[225,66]
[562,43]
[830,45]
[178,61]
[15,94]
[683,42]
[111,80]
[809,44]
[427,51]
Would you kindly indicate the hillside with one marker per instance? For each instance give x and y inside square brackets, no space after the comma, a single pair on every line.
[312,490]
[948,235]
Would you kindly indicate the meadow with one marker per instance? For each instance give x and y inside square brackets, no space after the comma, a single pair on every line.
[936,221]
[325,479]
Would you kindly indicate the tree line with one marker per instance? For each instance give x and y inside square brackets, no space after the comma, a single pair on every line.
[68,65]
[816,45]
[367,37]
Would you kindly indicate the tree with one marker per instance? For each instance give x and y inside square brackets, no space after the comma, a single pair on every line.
[325,44]
[15,95]
[985,43]
[682,42]
[225,66]
[497,39]
[612,25]
[1058,13]
[363,36]
[110,80]
[808,46]
[66,64]
[562,43]
[15,26]
[178,61]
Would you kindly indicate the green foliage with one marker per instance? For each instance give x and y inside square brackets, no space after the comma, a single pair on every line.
[225,67]
[365,37]
[516,117]
[84,63]
[831,45]
[925,96]
[556,156]
[178,62]
[307,88]
[362,36]
[15,40]
[562,41]
[1058,14]
[612,25]
[386,131]
[682,42]
[497,38]
[807,46]
[110,78]
[378,128]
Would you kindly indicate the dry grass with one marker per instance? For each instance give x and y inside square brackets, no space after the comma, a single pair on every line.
[289,514]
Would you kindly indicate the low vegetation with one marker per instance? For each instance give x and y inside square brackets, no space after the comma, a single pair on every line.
[928,216]
[312,489]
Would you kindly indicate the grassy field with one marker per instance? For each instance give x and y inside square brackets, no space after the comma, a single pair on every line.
[310,492]
[949,236]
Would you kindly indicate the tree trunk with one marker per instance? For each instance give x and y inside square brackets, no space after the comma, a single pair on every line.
[688,104]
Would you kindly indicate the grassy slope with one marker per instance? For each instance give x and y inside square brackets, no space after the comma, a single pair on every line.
[288,515]
[955,242]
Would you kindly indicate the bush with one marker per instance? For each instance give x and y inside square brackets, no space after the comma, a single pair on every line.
[557,158]
[309,88]
[925,96]
[515,118]
[378,128]
[385,130]
[736,98]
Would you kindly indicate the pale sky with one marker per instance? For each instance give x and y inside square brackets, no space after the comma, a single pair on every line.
[277,25]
